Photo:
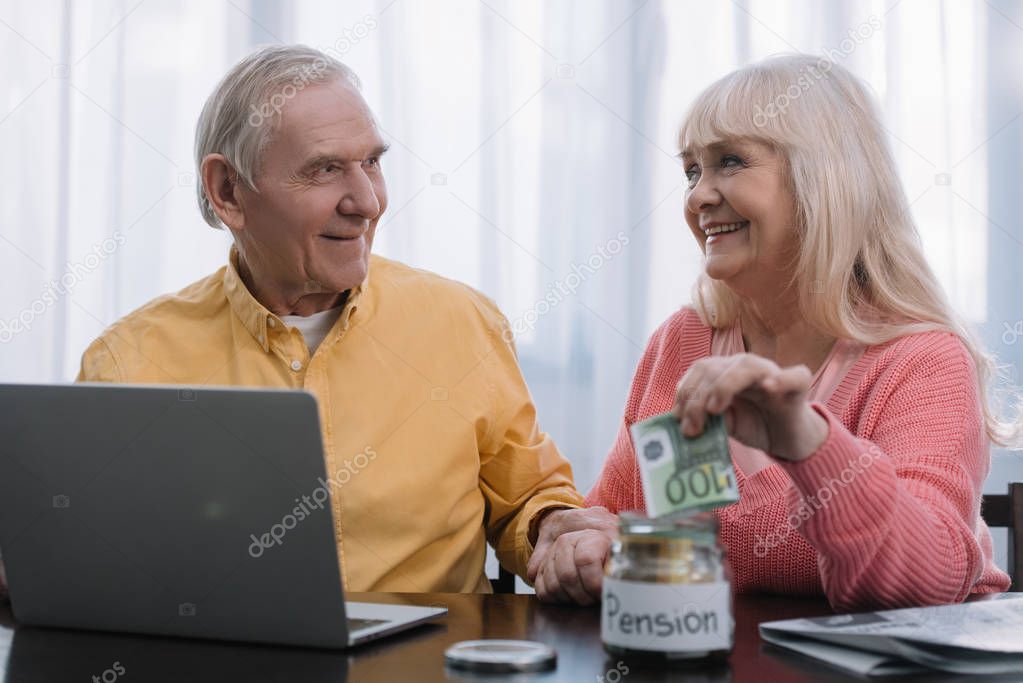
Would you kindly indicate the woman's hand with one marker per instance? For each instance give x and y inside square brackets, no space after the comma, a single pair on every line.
[765,406]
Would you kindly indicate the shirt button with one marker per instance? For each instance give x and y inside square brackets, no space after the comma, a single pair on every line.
[270,322]
[296,365]
[262,339]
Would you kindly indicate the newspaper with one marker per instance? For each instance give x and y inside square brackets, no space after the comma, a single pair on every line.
[980,637]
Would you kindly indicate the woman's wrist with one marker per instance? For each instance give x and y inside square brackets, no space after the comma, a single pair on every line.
[810,433]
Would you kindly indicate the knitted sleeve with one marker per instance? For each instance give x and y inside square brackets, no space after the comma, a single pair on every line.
[894,515]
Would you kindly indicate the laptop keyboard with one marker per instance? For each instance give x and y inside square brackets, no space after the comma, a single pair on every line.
[359,624]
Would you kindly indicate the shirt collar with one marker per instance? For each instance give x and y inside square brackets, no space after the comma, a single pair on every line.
[256,317]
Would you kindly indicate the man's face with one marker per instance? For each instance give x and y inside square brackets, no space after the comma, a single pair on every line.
[321,192]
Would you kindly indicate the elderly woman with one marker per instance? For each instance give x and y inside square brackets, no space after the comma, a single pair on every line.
[854,396]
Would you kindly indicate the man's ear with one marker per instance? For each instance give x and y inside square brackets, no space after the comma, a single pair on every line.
[221,183]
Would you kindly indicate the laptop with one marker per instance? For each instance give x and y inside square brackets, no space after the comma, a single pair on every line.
[176,511]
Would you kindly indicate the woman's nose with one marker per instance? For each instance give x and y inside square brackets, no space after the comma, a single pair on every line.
[703,195]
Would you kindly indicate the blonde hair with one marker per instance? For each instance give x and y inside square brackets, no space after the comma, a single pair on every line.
[860,271]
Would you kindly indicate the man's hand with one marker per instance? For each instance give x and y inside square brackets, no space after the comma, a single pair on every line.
[568,559]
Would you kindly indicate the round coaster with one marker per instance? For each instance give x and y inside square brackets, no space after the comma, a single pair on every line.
[500,656]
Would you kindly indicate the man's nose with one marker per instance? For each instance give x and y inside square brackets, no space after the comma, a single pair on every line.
[360,197]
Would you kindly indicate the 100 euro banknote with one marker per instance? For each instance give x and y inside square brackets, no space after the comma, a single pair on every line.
[682,473]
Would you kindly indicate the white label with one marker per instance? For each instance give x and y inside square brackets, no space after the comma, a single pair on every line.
[666,617]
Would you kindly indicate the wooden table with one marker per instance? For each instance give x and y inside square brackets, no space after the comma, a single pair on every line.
[35,654]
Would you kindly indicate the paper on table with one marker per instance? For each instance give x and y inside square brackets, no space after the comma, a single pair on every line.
[989,625]
[857,661]
[975,637]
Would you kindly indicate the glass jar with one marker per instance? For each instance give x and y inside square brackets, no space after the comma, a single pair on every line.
[667,592]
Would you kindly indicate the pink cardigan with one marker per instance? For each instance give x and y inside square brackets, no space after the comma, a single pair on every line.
[884,514]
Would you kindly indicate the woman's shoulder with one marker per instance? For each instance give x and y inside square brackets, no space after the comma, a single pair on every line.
[928,352]
[911,367]
[683,332]
[676,343]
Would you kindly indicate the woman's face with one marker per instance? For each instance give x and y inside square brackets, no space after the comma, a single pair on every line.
[741,211]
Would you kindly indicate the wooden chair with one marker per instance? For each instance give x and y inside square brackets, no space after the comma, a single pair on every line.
[1007,511]
[504,583]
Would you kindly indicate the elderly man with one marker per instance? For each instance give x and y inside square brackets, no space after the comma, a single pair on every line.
[430,435]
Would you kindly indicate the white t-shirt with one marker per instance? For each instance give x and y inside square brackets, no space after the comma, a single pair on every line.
[314,328]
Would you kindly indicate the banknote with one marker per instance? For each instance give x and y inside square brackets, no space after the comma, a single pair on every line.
[681,473]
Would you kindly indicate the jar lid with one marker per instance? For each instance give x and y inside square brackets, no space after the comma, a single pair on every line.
[684,524]
[500,656]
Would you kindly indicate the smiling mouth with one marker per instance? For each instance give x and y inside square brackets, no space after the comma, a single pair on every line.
[339,238]
[730,227]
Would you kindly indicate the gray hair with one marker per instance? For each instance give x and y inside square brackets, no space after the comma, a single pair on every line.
[238,119]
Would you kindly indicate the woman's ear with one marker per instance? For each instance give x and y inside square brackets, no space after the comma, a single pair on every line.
[221,184]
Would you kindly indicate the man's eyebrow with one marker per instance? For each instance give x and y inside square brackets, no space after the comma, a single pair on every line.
[321,159]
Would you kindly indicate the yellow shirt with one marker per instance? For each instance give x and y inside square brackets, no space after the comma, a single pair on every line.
[415,378]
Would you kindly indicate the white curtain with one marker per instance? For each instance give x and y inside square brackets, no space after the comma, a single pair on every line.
[532,157]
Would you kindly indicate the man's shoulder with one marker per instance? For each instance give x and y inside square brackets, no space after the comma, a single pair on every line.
[192,305]
[396,275]
[398,283]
